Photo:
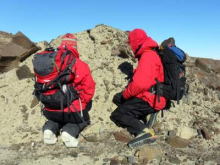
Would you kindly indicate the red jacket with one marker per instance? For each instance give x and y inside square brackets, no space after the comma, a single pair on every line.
[83,83]
[149,68]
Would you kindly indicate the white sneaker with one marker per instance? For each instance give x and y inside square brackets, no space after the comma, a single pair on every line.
[49,137]
[69,140]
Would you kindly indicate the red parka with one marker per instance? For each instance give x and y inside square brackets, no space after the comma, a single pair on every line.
[83,83]
[149,68]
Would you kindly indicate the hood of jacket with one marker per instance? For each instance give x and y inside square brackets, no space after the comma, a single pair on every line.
[140,42]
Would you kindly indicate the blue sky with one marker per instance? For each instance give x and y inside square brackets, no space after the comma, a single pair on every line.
[195,24]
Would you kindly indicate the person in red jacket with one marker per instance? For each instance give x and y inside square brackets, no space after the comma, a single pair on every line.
[136,102]
[71,124]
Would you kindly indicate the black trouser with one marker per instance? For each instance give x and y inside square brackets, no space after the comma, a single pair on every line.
[71,123]
[130,113]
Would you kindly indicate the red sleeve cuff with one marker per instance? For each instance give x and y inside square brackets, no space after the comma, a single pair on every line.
[126,95]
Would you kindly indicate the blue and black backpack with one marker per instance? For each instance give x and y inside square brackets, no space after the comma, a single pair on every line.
[174,85]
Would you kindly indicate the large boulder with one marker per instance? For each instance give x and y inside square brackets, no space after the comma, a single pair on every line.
[17,50]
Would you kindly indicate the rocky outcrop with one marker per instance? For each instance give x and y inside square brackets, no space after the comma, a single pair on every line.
[16,50]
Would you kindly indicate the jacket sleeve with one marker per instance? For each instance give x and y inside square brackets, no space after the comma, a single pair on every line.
[87,86]
[144,76]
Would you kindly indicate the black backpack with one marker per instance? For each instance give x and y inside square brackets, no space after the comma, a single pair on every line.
[174,85]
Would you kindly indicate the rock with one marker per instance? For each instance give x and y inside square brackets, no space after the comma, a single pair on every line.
[24,72]
[203,65]
[177,142]
[174,160]
[205,133]
[15,147]
[157,127]
[105,159]
[17,50]
[171,133]
[74,154]
[114,161]
[216,110]
[103,42]
[115,52]
[186,132]
[132,159]
[150,153]
[122,136]
[125,161]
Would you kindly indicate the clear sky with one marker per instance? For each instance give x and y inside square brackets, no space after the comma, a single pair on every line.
[195,24]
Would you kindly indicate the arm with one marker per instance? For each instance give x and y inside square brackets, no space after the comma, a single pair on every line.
[87,86]
[144,77]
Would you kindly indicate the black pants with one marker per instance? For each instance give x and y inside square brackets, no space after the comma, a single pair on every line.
[71,123]
[72,117]
[131,113]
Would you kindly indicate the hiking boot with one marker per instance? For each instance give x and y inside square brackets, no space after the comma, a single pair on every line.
[146,136]
[49,137]
[69,141]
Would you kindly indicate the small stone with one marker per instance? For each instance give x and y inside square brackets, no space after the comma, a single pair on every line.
[122,137]
[33,112]
[114,162]
[74,154]
[150,153]
[15,147]
[174,160]
[205,133]
[157,127]
[125,161]
[105,159]
[177,142]
[132,159]
[217,110]
[171,133]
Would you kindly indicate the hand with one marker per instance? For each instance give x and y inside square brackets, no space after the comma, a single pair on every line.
[118,98]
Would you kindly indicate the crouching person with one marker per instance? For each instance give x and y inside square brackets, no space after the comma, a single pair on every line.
[65,89]
[136,103]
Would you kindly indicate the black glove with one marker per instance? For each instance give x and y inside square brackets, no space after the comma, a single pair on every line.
[118,98]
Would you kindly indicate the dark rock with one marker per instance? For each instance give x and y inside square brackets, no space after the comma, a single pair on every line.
[216,110]
[205,133]
[114,162]
[177,142]
[174,160]
[203,65]
[24,72]
[206,91]
[122,136]
[105,159]
[17,50]
[103,42]
[74,154]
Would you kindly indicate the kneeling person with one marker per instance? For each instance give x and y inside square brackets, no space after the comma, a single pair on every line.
[66,93]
